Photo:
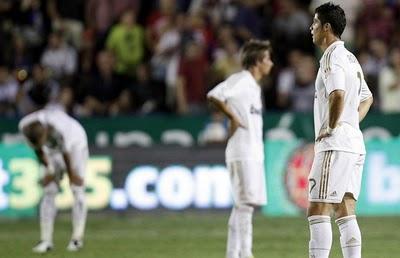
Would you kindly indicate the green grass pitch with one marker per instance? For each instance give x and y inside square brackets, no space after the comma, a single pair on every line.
[188,235]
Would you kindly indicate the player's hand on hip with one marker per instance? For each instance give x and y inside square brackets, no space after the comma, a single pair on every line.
[322,136]
[234,125]
[324,133]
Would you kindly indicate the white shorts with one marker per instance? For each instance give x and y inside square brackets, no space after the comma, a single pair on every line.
[334,173]
[248,182]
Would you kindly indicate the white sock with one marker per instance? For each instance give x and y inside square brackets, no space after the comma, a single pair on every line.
[350,237]
[245,226]
[48,212]
[233,243]
[320,236]
[79,212]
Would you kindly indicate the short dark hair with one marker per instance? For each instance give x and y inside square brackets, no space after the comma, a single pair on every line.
[253,51]
[334,15]
[33,131]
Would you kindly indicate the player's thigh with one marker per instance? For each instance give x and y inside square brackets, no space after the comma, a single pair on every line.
[334,173]
[248,182]
[346,208]
[79,158]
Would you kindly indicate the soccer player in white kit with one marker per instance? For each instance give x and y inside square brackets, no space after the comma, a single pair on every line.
[239,98]
[60,144]
[342,99]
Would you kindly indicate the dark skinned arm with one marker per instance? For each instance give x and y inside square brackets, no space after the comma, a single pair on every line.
[364,108]
[336,104]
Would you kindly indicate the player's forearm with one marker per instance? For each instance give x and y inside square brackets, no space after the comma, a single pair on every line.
[364,108]
[41,157]
[180,96]
[222,107]
[336,104]
[67,161]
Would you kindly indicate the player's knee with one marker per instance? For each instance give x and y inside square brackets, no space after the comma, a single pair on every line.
[246,208]
[50,189]
[78,193]
[319,208]
[345,208]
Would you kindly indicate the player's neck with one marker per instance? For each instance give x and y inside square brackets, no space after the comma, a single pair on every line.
[255,73]
[329,40]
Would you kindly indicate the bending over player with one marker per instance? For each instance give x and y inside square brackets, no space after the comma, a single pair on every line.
[60,144]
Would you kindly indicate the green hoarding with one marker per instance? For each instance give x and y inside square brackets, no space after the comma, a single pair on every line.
[156,129]
[19,174]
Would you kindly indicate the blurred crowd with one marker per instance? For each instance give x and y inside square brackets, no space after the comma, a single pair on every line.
[123,57]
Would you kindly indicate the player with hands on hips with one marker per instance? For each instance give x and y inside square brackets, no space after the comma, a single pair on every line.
[342,100]
[239,97]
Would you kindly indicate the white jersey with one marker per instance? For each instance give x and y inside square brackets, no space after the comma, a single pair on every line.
[67,135]
[242,95]
[340,70]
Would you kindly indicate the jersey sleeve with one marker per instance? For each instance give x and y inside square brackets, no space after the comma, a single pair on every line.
[335,74]
[365,93]
[220,92]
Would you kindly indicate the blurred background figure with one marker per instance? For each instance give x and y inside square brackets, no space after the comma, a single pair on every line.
[104,87]
[58,57]
[389,83]
[66,38]
[36,92]
[8,92]
[126,42]
[191,83]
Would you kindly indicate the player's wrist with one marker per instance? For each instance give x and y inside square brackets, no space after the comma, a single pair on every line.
[330,130]
[50,169]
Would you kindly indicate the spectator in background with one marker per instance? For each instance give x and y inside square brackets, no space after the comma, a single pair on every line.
[291,27]
[287,77]
[191,83]
[100,15]
[30,24]
[126,42]
[36,92]
[297,93]
[389,83]
[60,58]
[227,62]
[146,96]
[104,87]
[372,62]
[375,22]
[247,21]
[141,98]
[67,16]
[302,94]
[157,20]
[8,92]
[165,57]
[21,57]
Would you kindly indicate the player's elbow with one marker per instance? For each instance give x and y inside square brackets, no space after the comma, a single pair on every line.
[336,97]
[338,94]
[369,101]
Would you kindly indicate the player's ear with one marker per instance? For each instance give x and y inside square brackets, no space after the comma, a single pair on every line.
[327,26]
